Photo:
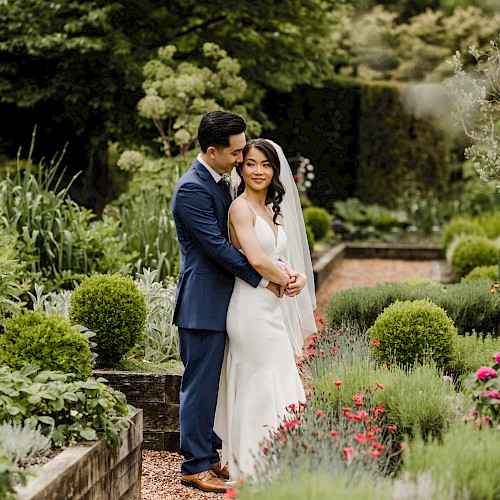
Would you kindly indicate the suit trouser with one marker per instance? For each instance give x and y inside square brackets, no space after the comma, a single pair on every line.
[202,352]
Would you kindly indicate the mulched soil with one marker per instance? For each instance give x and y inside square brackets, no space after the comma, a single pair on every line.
[160,469]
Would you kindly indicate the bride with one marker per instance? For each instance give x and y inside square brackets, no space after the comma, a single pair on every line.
[259,377]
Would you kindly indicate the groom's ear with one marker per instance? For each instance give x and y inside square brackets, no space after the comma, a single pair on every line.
[211,150]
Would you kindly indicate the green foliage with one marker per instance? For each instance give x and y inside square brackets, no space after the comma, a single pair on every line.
[460,226]
[410,331]
[10,475]
[472,351]
[11,288]
[319,220]
[469,304]
[310,239]
[179,93]
[415,399]
[113,308]
[483,273]
[463,464]
[58,239]
[297,484]
[471,252]
[50,342]
[69,411]
[160,337]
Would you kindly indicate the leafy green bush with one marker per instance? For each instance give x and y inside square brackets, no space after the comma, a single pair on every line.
[50,342]
[69,411]
[115,309]
[319,220]
[471,252]
[489,221]
[473,350]
[483,273]
[409,331]
[463,464]
[469,304]
[460,226]
[10,475]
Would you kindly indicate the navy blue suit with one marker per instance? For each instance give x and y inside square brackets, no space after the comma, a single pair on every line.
[207,268]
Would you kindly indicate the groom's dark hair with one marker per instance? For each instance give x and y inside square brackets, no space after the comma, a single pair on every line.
[216,127]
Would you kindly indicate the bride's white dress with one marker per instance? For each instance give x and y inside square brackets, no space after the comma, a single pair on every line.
[259,376]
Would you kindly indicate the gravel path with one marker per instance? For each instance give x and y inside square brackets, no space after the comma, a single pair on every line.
[160,469]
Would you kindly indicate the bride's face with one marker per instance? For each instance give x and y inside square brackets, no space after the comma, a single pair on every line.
[257,171]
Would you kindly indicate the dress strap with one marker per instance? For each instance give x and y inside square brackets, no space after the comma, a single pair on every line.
[252,209]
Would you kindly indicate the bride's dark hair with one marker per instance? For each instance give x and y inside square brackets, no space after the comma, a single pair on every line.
[275,190]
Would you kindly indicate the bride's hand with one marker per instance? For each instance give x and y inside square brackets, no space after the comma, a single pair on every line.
[295,284]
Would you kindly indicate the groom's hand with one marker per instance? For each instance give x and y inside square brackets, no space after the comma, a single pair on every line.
[278,290]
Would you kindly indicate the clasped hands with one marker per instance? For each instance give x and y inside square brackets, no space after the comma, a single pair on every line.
[296,283]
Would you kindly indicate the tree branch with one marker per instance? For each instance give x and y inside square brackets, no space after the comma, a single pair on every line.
[203,25]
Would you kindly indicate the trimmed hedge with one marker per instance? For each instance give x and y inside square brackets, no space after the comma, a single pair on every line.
[469,304]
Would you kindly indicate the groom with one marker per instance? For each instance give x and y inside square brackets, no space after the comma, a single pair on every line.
[208,266]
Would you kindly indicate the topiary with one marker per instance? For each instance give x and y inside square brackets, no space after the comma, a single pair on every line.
[471,252]
[460,226]
[319,221]
[413,330]
[483,273]
[50,342]
[115,309]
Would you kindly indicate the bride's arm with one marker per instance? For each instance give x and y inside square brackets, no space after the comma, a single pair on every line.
[242,221]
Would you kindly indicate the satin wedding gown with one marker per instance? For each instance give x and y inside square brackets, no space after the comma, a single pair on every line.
[259,378]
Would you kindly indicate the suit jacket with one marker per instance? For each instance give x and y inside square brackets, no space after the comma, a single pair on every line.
[208,261]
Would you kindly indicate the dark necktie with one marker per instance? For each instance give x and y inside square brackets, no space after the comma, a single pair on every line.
[223,185]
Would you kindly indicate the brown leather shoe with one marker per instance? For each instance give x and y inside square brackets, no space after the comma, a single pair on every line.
[205,481]
[221,473]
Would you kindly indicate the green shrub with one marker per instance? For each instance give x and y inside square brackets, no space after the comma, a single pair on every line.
[319,220]
[413,330]
[490,222]
[50,342]
[472,351]
[483,273]
[310,239]
[115,309]
[471,252]
[460,226]
[469,304]
[464,464]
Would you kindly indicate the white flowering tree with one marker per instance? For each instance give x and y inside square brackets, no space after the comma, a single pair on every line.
[476,100]
[179,93]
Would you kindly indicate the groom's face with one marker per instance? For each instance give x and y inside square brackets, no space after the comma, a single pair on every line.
[224,160]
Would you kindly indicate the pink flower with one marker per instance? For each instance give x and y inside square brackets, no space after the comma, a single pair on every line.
[375,342]
[361,438]
[322,352]
[291,407]
[486,372]
[313,337]
[320,319]
[392,428]
[491,394]
[375,454]
[319,413]
[310,352]
[338,383]
[291,423]
[358,399]
[378,446]
[380,386]
[335,350]
[339,331]
[497,357]
[231,493]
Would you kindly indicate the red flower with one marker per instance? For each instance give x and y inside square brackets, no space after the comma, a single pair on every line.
[361,438]
[296,178]
[380,386]
[322,352]
[378,446]
[347,452]
[310,352]
[338,383]
[335,350]
[291,423]
[313,337]
[392,428]
[319,413]
[362,414]
[265,450]
[375,454]
[333,434]
[283,439]
[320,319]
[339,331]
[376,429]
[231,493]
[291,407]
[299,363]
[358,399]
[345,409]
[375,342]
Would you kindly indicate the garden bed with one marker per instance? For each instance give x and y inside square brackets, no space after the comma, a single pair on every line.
[92,470]
[157,394]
